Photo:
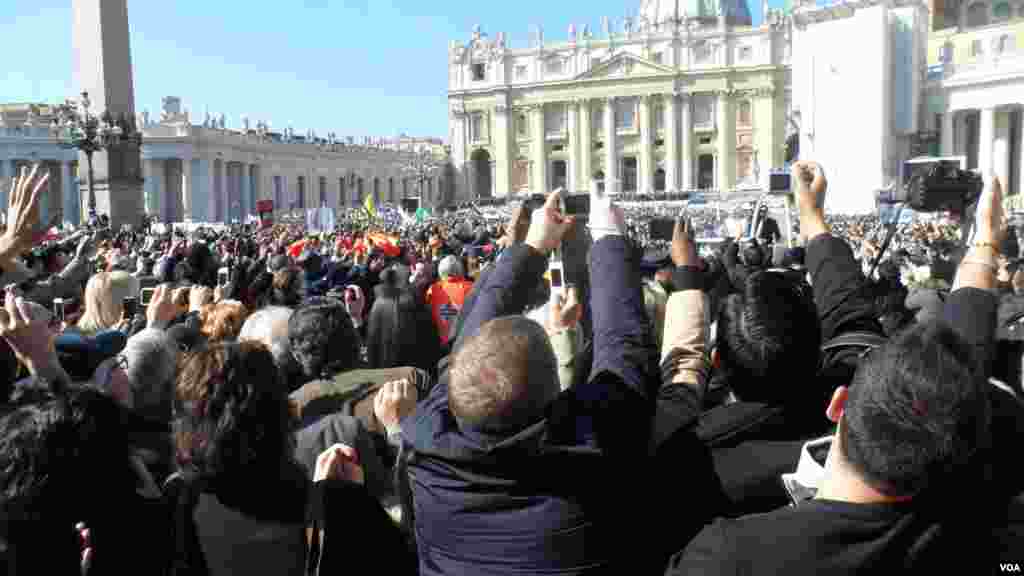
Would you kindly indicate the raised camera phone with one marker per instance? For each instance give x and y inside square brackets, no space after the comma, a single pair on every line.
[577,204]
[146,296]
[222,277]
[131,306]
[59,312]
[662,229]
[556,272]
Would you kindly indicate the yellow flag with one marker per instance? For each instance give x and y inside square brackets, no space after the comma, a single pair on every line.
[368,204]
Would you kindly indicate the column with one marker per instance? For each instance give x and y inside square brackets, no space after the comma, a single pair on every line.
[645,182]
[539,150]
[986,138]
[67,195]
[947,133]
[6,174]
[572,166]
[671,143]
[186,189]
[586,144]
[254,188]
[1020,152]
[158,176]
[504,132]
[686,141]
[212,190]
[1001,148]
[611,156]
[245,187]
[726,128]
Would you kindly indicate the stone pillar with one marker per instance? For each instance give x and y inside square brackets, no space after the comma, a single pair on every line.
[158,175]
[68,194]
[586,144]
[572,166]
[645,183]
[686,141]
[254,188]
[1020,152]
[539,150]
[726,128]
[245,188]
[103,68]
[504,133]
[671,121]
[1001,149]
[611,155]
[947,134]
[186,189]
[986,139]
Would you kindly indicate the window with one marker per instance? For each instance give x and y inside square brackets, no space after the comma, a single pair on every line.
[703,110]
[522,126]
[977,14]
[300,201]
[977,48]
[745,53]
[521,72]
[323,190]
[391,189]
[628,173]
[625,114]
[554,66]
[555,118]
[476,128]
[658,109]
[278,192]
[658,57]
[479,72]
[341,191]
[1001,12]
[743,114]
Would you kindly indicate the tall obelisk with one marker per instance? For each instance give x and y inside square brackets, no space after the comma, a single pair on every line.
[103,68]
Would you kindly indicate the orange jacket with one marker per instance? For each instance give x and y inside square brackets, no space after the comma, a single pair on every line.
[446,299]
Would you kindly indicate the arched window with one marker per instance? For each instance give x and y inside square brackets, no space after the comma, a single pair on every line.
[977,14]
[1001,12]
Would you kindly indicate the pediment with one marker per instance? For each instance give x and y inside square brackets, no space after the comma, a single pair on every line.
[625,65]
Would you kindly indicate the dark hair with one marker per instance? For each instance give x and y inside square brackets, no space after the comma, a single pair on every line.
[285,287]
[63,459]
[322,338]
[231,410]
[769,338]
[917,411]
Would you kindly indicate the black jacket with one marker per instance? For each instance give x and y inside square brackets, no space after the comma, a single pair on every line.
[401,332]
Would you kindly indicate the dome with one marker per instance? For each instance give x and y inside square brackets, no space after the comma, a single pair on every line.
[737,12]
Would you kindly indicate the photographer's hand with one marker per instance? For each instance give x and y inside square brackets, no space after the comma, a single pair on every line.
[810,185]
[22,212]
[979,267]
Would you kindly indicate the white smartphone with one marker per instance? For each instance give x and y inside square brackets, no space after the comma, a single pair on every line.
[556,272]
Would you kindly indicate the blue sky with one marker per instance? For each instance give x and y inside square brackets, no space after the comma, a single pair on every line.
[354,67]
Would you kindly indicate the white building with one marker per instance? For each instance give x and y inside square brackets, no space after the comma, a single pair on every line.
[857,91]
[975,86]
[688,95]
[210,173]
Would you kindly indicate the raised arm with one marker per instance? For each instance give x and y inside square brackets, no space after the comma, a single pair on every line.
[622,337]
[507,289]
[972,305]
[844,303]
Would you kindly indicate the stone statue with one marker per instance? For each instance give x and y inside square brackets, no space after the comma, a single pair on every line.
[245,124]
[185,115]
[500,40]
[476,32]
[141,119]
[221,121]
[572,32]
[586,32]
[627,26]
[207,120]
[606,26]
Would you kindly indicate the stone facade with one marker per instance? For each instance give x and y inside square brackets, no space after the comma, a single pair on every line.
[667,102]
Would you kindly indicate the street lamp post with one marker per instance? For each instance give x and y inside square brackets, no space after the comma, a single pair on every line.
[77,127]
[421,165]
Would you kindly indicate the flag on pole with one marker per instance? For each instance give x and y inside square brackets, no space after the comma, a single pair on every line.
[369,205]
[421,214]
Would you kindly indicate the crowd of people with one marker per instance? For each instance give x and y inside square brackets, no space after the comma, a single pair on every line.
[509,389]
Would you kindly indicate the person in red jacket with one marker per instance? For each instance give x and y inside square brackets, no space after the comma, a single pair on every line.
[447,295]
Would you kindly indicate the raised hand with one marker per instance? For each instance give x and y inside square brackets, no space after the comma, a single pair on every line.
[339,462]
[22,212]
[394,401]
[684,250]
[548,226]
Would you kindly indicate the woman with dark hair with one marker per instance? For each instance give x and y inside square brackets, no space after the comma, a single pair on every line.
[234,446]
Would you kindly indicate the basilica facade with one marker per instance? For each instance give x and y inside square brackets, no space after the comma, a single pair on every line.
[686,95]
